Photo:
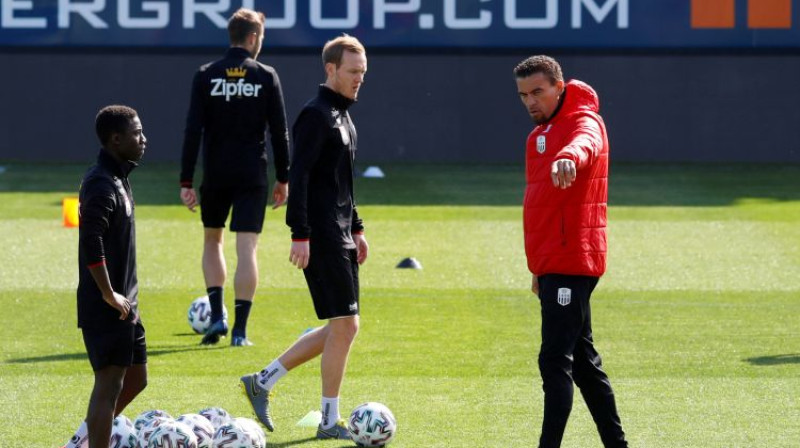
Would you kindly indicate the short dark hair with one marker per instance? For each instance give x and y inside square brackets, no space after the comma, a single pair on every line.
[114,119]
[539,64]
[244,22]
[334,49]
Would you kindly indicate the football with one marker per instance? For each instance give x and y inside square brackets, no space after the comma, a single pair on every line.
[199,314]
[147,430]
[202,428]
[172,434]
[145,417]
[372,424]
[232,435]
[257,435]
[217,416]
[123,433]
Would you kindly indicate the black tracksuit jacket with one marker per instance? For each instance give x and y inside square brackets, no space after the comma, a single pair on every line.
[321,205]
[232,102]
[107,235]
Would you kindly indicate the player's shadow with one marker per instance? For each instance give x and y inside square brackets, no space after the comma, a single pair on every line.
[296,442]
[632,184]
[82,355]
[775,360]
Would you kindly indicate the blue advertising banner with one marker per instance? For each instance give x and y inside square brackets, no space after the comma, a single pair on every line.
[409,23]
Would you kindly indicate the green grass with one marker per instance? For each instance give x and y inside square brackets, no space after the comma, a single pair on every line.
[696,318]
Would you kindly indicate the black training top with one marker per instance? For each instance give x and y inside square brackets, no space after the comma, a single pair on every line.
[321,205]
[232,102]
[107,235]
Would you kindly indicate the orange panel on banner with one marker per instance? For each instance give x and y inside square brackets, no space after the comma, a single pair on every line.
[769,14]
[713,13]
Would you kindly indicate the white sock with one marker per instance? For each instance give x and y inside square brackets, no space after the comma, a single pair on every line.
[271,374]
[80,439]
[330,412]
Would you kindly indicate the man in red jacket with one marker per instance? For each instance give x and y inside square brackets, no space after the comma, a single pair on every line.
[565,241]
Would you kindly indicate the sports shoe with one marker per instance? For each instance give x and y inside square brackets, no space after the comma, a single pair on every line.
[259,399]
[217,329]
[337,431]
[240,341]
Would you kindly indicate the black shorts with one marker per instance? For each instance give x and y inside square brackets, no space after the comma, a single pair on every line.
[332,277]
[123,345]
[249,206]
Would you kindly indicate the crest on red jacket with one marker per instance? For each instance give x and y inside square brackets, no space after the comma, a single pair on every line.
[540,144]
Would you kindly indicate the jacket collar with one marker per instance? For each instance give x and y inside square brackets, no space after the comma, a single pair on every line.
[577,96]
[338,100]
[558,108]
[120,168]
[238,52]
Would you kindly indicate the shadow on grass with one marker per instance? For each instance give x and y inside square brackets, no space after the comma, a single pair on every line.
[631,184]
[82,355]
[774,360]
[296,442]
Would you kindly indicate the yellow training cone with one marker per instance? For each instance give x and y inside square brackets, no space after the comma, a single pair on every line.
[70,212]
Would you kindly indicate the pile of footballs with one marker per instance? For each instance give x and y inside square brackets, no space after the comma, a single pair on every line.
[211,427]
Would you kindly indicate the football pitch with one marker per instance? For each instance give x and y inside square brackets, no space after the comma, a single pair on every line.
[697,319]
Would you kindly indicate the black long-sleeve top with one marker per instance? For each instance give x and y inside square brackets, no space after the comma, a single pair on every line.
[321,205]
[107,235]
[233,101]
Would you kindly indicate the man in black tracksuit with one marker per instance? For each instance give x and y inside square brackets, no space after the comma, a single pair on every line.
[328,240]
[108,287]
[233,100]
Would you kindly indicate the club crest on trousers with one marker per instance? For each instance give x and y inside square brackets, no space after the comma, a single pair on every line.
[564,296]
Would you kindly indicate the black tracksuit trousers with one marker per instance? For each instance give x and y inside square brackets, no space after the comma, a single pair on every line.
[568,354]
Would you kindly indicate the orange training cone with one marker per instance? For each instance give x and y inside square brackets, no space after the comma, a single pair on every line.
[70,212]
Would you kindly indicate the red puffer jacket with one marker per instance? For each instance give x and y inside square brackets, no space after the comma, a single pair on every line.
[565,230]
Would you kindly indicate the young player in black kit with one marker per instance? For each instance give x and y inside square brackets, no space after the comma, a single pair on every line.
[108,287]
[328,240]
[232,102]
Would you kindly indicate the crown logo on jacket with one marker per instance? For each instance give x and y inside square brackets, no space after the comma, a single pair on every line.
[235,72]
